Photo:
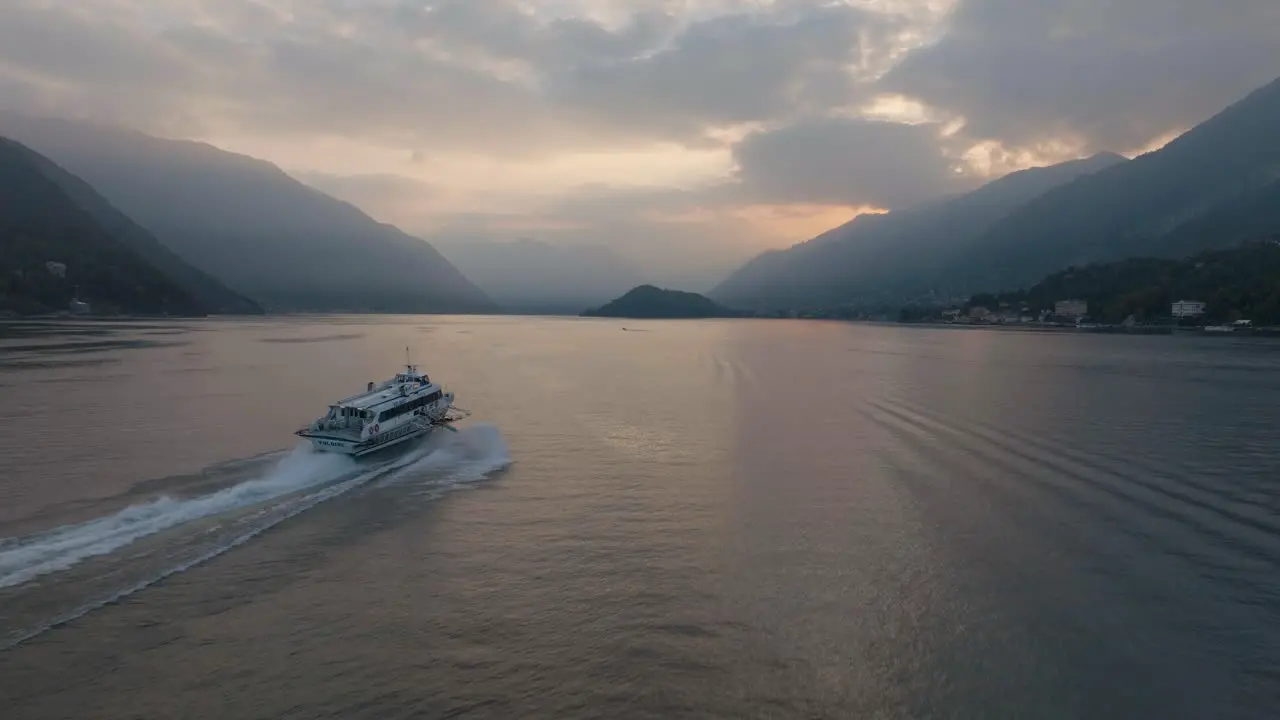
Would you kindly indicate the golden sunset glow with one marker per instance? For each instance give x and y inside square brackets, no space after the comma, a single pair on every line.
[725,125]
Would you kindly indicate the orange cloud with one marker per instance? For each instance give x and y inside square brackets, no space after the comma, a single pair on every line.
[796,222]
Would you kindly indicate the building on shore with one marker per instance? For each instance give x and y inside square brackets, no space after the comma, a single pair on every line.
[1071,308]
[1187,309]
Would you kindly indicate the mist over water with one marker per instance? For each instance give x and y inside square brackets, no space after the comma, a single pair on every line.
[704,519]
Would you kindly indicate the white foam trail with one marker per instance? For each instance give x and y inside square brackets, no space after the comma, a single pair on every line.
[63,547]
[303,505]
[469,455]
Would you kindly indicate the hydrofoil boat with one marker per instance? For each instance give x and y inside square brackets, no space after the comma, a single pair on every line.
[405,407]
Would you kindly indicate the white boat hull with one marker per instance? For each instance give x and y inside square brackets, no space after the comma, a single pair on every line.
[405,407]
[357,448]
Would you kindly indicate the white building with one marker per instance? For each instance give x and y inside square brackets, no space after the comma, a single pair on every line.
[1187,308]
[1071,308]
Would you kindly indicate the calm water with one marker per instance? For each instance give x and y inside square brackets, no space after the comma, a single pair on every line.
[672,520]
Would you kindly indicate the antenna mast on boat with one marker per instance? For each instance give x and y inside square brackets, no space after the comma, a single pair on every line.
[406,358]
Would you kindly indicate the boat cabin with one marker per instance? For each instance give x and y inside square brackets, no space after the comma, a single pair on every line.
[401,408]
[411,406]
[378,404]
[345,417]
[412,376]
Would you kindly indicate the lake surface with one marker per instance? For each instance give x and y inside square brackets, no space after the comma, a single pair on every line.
[738,519]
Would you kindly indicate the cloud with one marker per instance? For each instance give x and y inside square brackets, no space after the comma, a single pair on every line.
[300,70]
[1102,75]
[731,70]
[845,161]
[490,76]
[690,130]
[59,60]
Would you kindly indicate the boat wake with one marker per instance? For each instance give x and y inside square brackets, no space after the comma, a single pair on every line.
[66,565]
[452,459]
[22,559]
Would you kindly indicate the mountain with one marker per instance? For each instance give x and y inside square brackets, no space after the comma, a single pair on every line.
[53,251]
[1211,187]
[649,302]
[533,276]
[247,223]
[876,258]
[1254,214]
[1237,283]
[211,294]
[1214,186]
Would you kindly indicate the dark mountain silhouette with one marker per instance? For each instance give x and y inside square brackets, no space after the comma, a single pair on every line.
[874,257]
[647,301]
[1236,283]
[1210,187]
[53,251]
[1252,215]
[211,294]
[253,227]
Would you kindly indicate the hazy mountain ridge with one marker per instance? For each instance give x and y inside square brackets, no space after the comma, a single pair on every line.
[41,223]
[1214,186]
[212,295]
[1182,198]
[252,226]
[881,256]
[529,275]
[1237,283]
[1253,215]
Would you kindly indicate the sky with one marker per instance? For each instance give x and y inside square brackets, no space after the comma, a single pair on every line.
[686,134]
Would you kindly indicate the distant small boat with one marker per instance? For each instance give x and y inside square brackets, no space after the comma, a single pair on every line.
[1219,328]
[402,408]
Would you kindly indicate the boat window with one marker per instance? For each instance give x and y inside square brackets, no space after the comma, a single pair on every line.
[407,407]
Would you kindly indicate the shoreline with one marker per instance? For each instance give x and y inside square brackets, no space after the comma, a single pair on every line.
[1168,330]
[1165,330]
